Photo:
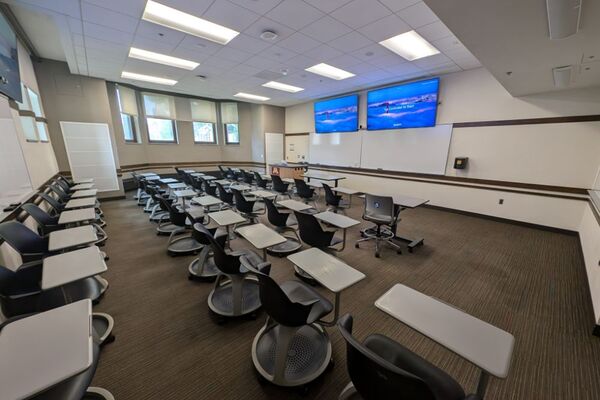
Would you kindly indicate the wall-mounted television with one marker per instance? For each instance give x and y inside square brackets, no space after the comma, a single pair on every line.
[10,81]
[337,115]
[412,105]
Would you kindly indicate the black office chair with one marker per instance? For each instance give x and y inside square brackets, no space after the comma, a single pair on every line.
[230,174]
[222,171]
[279,186]
[260,182]
[282,222]
[292,348]
[225,195]
[204,268]
[381,211]
[305,192]
[248,177]
[184,245]
[382,369]
[334,201]
[236,290]
[209,189]
[247,208]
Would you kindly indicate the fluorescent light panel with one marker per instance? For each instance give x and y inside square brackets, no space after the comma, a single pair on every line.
[410,45]
[162,59]
[283,86]
[251,96]
[147,78]
[184,22]
[329,71]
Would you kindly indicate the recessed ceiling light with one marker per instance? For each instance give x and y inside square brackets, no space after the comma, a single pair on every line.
[147,78]
[268,35]
[329,71]
[251,96]
[162,59]
[410,45]
[184,22]
[283,86]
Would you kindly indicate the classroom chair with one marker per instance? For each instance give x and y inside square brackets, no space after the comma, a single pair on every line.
[381,211]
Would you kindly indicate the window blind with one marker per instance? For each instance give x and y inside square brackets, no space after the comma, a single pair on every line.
[159,106]
[127,100]
[204,111]
[229,113]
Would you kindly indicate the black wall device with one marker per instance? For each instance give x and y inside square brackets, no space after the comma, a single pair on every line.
[461,162]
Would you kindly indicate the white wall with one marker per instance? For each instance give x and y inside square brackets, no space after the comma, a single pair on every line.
[297,148]
[589,234]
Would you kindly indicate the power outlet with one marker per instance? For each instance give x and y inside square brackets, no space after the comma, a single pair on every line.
[501,201]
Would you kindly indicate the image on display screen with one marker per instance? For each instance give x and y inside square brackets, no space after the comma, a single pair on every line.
[413,105]
[337,115]
[10,82]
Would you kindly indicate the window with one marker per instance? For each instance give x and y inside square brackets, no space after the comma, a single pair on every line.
[229,118]
[232,134]
[29,128]
[160,118]
[42,129]
[161,130]
[204,117]
[36,106]
[129,113]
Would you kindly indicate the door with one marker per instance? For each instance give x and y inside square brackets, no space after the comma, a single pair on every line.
[273,148]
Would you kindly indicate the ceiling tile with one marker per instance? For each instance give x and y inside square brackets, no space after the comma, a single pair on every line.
[134,8]
[295,14]
[359,13]
[327,6]
[231,54]
[77,40]
[278,54]
[258,6]
[385,28]
[219,62]
[323,53]
[201,45]
[248,43]
[75,25]
[244,69]
[371,52]
[233,17]
[111,19]
[188,54]
[403,69]
[350,42]
[265,24]
[387,61]
[326,29]
[397,5]
[148,68]
[434,31]
[432,61]
[447,68]
[159,33]
[142,42]
[301,62]
[417,15]
[346,62]
[299,43]
[67,7]
[106,34]
[260,62]
[448,44]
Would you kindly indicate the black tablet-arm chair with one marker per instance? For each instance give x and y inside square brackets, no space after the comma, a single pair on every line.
[236,289]
[230,174]
[224,195]
[184,244]
[55,204]
[248,177]
[283,222]
[260,182]
[280,186]
[305,192]
[381,211]
[334,201]
[204,268]
[247,207]
[209,189]
[382,369]
[301,347]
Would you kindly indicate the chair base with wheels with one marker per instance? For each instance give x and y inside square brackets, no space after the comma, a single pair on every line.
[183,245]
[379,235]
[103,326]
[291,245]
[203,267]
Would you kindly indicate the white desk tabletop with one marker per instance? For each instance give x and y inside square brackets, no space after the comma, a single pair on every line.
[72,266]
[294,205]
[197,174]
[40,351]
[316,185]
[241,188]
[263,193]
[152,178]
[84,193]
[189,171]
[223,182]
[344,190]
[166,181]
[209,178]
[65,238]
[83,180]
[260,236]
[177,185]
[147,174]
[79,215]
[185,193]
[337,220]
[328,270]
[227,217]
[403,201]
[266,177]
[484,345]
[81,203]
[83,186]
[206,201]
[287,180]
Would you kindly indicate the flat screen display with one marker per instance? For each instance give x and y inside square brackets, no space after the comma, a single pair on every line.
[10,81]
[412,105]
[337,115]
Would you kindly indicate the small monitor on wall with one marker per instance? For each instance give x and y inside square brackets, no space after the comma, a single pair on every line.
[337,115]
[412,105]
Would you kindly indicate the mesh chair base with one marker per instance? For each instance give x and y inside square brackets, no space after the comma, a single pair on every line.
[96,393]
[103,326]
[305,277]
[307,353]
[289,246]
[184,245]
[166,228]
[203,267]
[221,299]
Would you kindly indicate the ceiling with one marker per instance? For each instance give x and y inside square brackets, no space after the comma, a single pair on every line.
[94,37]
[512,36]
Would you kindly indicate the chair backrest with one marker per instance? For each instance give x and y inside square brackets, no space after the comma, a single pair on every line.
[196,184]
[207,187]
[260,181]
[226,263]
[379,206]
[303,189]
[377,379]
[241,204]
[44,220]
[224,195]
[278,305]
[310,231]
[175,216]
[23,240]
[331,199]
[62,196]
[278,184]
[248,177]
[64,185]
[54,203]
[274,216]
[230,173]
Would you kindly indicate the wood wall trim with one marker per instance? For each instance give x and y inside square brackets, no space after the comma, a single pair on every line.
[297,134]
[138,167]
[529,121]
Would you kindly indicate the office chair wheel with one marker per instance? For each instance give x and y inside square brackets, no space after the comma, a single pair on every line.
[304,390]
[109,339]
[377,255]
[356,246]
[400,252]
[331,365]
[218,319]
[410,250]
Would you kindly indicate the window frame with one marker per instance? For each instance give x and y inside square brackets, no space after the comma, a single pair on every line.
[174,126]
[214,129]
[47,131]
[227,136]
[134,128]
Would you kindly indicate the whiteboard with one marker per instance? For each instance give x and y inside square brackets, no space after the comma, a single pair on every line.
[422,150]
[339,149]
[90,153]
[15,183]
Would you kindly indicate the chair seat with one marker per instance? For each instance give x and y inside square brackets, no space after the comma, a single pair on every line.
[254,259]
[379,219]
[299,292]
[335,240]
